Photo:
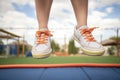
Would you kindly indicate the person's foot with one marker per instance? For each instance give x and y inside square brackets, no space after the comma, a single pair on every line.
[42,47]
[87,42]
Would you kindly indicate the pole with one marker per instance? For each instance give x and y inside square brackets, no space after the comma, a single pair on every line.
[23,46]
[18,48]
[117,42]
[101,38]
[65,46]
[7,49]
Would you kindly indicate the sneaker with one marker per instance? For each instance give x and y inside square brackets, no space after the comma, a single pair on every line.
[87,42]
[42,47]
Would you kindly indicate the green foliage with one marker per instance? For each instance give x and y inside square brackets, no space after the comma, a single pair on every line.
[62,50]
[114,38]
[55,46]
[26,48]
[1,42]
[72,49]
[111,50]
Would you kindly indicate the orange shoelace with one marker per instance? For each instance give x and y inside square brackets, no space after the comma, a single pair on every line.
[42,36]
[86,32]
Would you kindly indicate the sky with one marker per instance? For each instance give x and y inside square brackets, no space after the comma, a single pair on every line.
[18,16]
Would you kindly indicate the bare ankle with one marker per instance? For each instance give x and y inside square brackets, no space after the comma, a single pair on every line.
[78,26]
[43,27]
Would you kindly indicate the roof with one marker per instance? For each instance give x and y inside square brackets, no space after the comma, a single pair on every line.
[7,35]
[109,42]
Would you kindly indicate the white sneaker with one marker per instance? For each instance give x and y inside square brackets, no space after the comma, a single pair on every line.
[42,47]
[88,44]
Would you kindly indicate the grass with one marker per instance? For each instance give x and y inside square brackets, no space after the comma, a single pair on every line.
[58,60]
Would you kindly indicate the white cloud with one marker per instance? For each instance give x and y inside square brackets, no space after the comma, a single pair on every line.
[23,2]
[99,14]
[109,9]
[93,4]
[58,13]
[108,2]
[14,19]
[97,19]
[17,20]
[62,23]
[5,6]
[109,22]
[10,18]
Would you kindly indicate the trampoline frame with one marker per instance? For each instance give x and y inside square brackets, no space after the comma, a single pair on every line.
[57,65]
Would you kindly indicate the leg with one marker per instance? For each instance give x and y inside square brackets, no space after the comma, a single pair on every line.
[42,11]
[80,8]
[42,47]
[83,34]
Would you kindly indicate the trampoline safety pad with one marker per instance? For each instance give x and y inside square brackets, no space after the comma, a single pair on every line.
[63,72]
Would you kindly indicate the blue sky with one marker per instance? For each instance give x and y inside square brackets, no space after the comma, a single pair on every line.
[114,14]
[27,9]
[21,14]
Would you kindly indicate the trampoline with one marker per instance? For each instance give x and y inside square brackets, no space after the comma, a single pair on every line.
[60,72]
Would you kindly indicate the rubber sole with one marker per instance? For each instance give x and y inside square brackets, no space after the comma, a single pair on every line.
[88,52]
[41,55]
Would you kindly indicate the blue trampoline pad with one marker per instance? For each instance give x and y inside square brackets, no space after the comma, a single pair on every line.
[63,73]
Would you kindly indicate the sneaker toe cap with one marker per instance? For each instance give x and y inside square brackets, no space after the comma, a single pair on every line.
[40,48]
[95,47]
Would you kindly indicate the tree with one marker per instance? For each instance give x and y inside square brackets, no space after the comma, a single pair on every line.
[55,46]
[26,48]
[1,42]
[115,38]
[72,49]
[111,50]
